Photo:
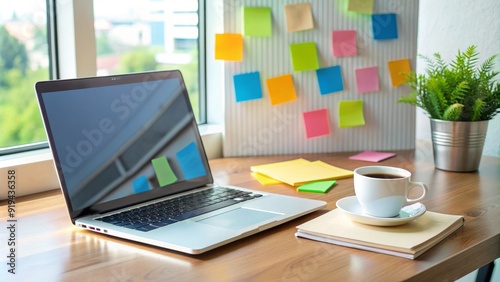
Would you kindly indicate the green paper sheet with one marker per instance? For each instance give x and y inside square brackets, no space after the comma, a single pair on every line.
[317,187]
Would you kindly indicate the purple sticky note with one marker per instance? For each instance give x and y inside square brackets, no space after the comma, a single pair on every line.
[367,80]
[372,156]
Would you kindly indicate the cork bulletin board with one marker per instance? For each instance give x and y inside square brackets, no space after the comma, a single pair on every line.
[316,76]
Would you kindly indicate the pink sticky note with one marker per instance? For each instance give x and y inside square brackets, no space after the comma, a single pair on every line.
[344,43]
[316,123]
[367,79]
[372,156]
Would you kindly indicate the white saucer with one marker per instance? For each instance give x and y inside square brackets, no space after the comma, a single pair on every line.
[350,206]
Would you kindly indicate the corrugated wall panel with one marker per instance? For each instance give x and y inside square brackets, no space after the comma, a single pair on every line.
[258,128]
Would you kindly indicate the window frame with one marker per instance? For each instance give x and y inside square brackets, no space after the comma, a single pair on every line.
[34,162]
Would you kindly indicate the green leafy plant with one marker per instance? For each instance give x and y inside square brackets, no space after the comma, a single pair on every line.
[459,91]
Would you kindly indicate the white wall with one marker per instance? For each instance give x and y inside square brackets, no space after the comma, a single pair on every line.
[446,26]
[258,128]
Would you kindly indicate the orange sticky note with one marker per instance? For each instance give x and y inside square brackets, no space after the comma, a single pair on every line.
[396,70]
[281,89]
[229,47]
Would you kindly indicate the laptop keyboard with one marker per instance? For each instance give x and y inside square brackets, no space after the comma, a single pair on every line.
[150,217]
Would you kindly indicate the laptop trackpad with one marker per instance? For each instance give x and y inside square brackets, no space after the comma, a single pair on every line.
[239,218]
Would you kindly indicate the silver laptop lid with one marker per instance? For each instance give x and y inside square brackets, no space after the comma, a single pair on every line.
[121,140]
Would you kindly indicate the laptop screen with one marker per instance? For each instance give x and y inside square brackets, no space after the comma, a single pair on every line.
[121,140]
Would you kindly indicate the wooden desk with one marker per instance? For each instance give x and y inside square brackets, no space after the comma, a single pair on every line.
[51,249]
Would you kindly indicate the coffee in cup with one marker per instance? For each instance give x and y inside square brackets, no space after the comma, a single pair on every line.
[383,190]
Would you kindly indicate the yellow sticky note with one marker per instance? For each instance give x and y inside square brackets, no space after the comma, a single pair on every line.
[351,113]
[264,180]
[396,70]
[299,17]
[229,47]
[300,171]
[361,6]
[281,89]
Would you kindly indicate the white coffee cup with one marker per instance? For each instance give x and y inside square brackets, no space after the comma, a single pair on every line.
[383,190]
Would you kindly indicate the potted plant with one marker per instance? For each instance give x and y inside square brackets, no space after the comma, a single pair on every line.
[459,98]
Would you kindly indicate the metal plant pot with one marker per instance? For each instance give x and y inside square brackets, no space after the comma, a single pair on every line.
[458,145]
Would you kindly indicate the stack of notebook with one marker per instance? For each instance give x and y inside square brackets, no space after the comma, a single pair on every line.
[408,240]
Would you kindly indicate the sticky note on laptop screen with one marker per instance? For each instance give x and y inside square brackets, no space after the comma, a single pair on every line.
[164,173]
[190,161]
[141,184]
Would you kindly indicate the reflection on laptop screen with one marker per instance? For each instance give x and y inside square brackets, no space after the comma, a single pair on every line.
[120,140]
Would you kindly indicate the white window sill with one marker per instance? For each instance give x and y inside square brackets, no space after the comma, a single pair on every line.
[36,173]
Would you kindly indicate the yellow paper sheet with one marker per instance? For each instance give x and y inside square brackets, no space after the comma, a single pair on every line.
[298,172]
[264,180]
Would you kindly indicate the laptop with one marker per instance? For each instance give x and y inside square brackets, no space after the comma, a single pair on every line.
[131,164]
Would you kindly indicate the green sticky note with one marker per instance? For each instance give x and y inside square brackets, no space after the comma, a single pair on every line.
[351,113]
[304,56]
[317,187]
[257,21]
[361,6]
[164,172]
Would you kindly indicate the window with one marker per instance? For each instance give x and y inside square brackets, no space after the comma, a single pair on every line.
[130,36]
[138,35]
[24,59]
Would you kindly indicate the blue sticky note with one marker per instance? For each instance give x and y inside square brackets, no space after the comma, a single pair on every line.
[247,86]
[141,184]
[330,80]
[384,26]
[190,162]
